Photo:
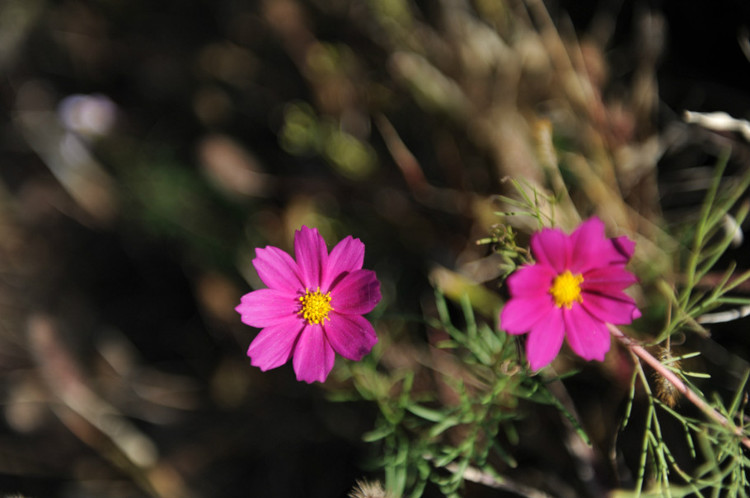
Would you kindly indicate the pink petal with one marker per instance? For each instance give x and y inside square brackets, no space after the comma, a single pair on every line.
[590,247]
[265,307]
[277,269]
[607,278]
[550,247]
[357,293]
[531,281]
[351,336]
[520,315]
[313,355]
[588,242]
[617,307]
[624,247]
[273,346]
[587,336]
[347,256]
[545,340]
[616,251]
[312,254]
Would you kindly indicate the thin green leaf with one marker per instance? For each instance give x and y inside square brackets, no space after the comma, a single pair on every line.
[425,413]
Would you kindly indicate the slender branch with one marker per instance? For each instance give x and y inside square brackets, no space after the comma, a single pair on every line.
[478,476]
[724,316]
[689,394]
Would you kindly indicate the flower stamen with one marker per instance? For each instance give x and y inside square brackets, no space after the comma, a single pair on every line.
[315,306]
[566,288]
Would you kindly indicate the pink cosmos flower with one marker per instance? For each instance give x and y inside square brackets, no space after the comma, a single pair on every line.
[573,290]
[313,307]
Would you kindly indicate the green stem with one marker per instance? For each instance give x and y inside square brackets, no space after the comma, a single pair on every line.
[691,396]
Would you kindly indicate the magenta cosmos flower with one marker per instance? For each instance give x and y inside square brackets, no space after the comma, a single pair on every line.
[313,307]
[573,290]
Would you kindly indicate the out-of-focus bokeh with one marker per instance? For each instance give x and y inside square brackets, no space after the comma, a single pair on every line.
[149,146]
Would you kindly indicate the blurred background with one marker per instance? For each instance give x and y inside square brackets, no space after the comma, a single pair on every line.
[149,146]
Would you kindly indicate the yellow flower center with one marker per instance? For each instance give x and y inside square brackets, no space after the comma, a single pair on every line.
[315,306]
[566,288]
